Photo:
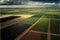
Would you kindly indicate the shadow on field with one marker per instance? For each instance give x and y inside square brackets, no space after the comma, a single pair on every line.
[8,18]
[14,30]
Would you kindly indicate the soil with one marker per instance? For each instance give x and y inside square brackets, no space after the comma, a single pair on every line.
[31,36]
[11,22]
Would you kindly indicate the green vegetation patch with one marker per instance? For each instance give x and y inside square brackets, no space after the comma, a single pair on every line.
[55,26]
[42,25]
[24,11]
[43,37]
[18,28]
[55,37]
[55,22]
[31,20]
[8,18]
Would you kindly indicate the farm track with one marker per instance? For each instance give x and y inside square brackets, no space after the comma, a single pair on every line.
[27,30]
[48,36]
[31,35]
[38,32]
[44,33]
[11,22]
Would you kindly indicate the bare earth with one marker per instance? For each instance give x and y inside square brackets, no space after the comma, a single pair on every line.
[11,22]
[31,36]
[27,30]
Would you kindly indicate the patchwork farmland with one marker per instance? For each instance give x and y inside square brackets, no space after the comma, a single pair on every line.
[30,24]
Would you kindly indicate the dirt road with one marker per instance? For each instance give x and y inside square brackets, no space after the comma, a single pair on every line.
[11,22]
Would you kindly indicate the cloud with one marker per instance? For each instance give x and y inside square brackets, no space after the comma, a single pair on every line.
[56,1]
[27,2]
[13,2]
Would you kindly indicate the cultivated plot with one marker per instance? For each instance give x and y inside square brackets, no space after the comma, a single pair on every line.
[47,27]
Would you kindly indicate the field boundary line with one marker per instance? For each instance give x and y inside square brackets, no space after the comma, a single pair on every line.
[28,29]
[44,32]
[14,21]
[11,22]
[48,35]
[8,23]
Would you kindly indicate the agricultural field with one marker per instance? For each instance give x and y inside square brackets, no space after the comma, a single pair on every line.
[8,18]
[49,24]
[46,22]
[42,25]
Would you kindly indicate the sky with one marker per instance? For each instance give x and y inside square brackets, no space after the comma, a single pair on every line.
[19,2]
[31,3]
[46,0]
[56,1]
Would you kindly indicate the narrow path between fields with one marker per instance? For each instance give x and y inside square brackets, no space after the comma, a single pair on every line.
[27,30]
[44,33]
[11,22]
[29,35]
[48,35]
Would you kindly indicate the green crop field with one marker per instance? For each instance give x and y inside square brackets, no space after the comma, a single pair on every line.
[42,25]
[8,18]
[55,37]
[25,11]
[55,22]
[49,22]
[31,20]
[43,37]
